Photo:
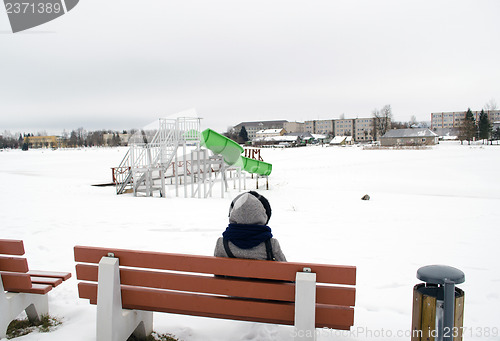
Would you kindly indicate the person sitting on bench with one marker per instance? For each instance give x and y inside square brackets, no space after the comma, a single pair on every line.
[247,235]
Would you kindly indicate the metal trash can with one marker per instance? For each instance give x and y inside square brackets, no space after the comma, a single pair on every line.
[438,306]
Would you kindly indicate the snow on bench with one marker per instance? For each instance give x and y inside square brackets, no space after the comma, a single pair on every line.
[22,289]
[128,286]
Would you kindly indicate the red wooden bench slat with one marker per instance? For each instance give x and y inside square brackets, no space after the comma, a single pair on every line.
[51,274]
[214,285]
[11,247]
[221,307]
[46,280]
[336,295]
[219,266]
[13,281]
[13,264]
[40,289]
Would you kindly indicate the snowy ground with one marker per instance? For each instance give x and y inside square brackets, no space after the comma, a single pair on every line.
[433,206]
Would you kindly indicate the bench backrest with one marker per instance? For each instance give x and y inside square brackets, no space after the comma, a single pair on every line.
[13,269]
[15,273]
[251,290]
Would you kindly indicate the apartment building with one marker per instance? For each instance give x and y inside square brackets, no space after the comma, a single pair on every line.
[344,127]
[455,119]
[363,129]
[325,127]
[310,127]
[294,127]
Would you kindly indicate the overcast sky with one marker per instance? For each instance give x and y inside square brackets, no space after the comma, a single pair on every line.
[120,64]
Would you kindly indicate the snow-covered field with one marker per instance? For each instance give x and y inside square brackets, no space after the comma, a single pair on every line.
[433,206]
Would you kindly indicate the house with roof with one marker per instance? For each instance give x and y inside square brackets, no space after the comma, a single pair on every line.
[269,137]
[303,138]
[447,134]
[253,127]
[409,137]
[270,133]
[341,141]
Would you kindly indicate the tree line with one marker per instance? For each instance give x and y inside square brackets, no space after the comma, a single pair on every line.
[76,138]
[471,130]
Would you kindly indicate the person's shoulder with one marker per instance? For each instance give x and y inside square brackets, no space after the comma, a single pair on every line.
[275,244]
[275,241]
[219,248]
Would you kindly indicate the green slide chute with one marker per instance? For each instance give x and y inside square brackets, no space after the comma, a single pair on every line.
[231,152]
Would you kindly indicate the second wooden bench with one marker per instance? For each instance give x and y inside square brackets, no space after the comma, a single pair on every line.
[128,285]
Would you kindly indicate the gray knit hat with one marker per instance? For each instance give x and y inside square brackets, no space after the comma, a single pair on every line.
[250,208]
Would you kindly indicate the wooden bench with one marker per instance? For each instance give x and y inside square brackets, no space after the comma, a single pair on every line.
[129,285]
[22,289]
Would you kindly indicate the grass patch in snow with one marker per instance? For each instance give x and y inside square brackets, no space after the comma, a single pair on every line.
[154,336]
[23,327]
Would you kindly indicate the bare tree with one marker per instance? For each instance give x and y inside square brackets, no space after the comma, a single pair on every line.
[382,120]
[231,133]
[413,121]
[491,105]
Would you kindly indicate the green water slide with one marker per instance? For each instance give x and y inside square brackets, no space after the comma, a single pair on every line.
[231,152]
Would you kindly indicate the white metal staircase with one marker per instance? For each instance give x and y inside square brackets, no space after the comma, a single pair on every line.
[146,162]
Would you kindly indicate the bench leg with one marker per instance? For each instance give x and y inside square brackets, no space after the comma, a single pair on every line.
[13,304]
[113,322]
[305,306]
[38,307]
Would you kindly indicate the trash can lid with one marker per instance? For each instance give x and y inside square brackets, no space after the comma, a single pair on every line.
[439,274]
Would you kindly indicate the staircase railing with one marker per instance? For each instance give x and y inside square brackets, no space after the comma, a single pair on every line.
[142,158]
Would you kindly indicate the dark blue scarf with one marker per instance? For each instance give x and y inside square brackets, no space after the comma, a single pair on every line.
[247,236]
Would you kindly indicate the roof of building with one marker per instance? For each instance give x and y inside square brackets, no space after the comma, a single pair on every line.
[445,132]
[270,131]
[341,139]
[283,138]
[338,139]
[402,133]
[257,123]
[303,136]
